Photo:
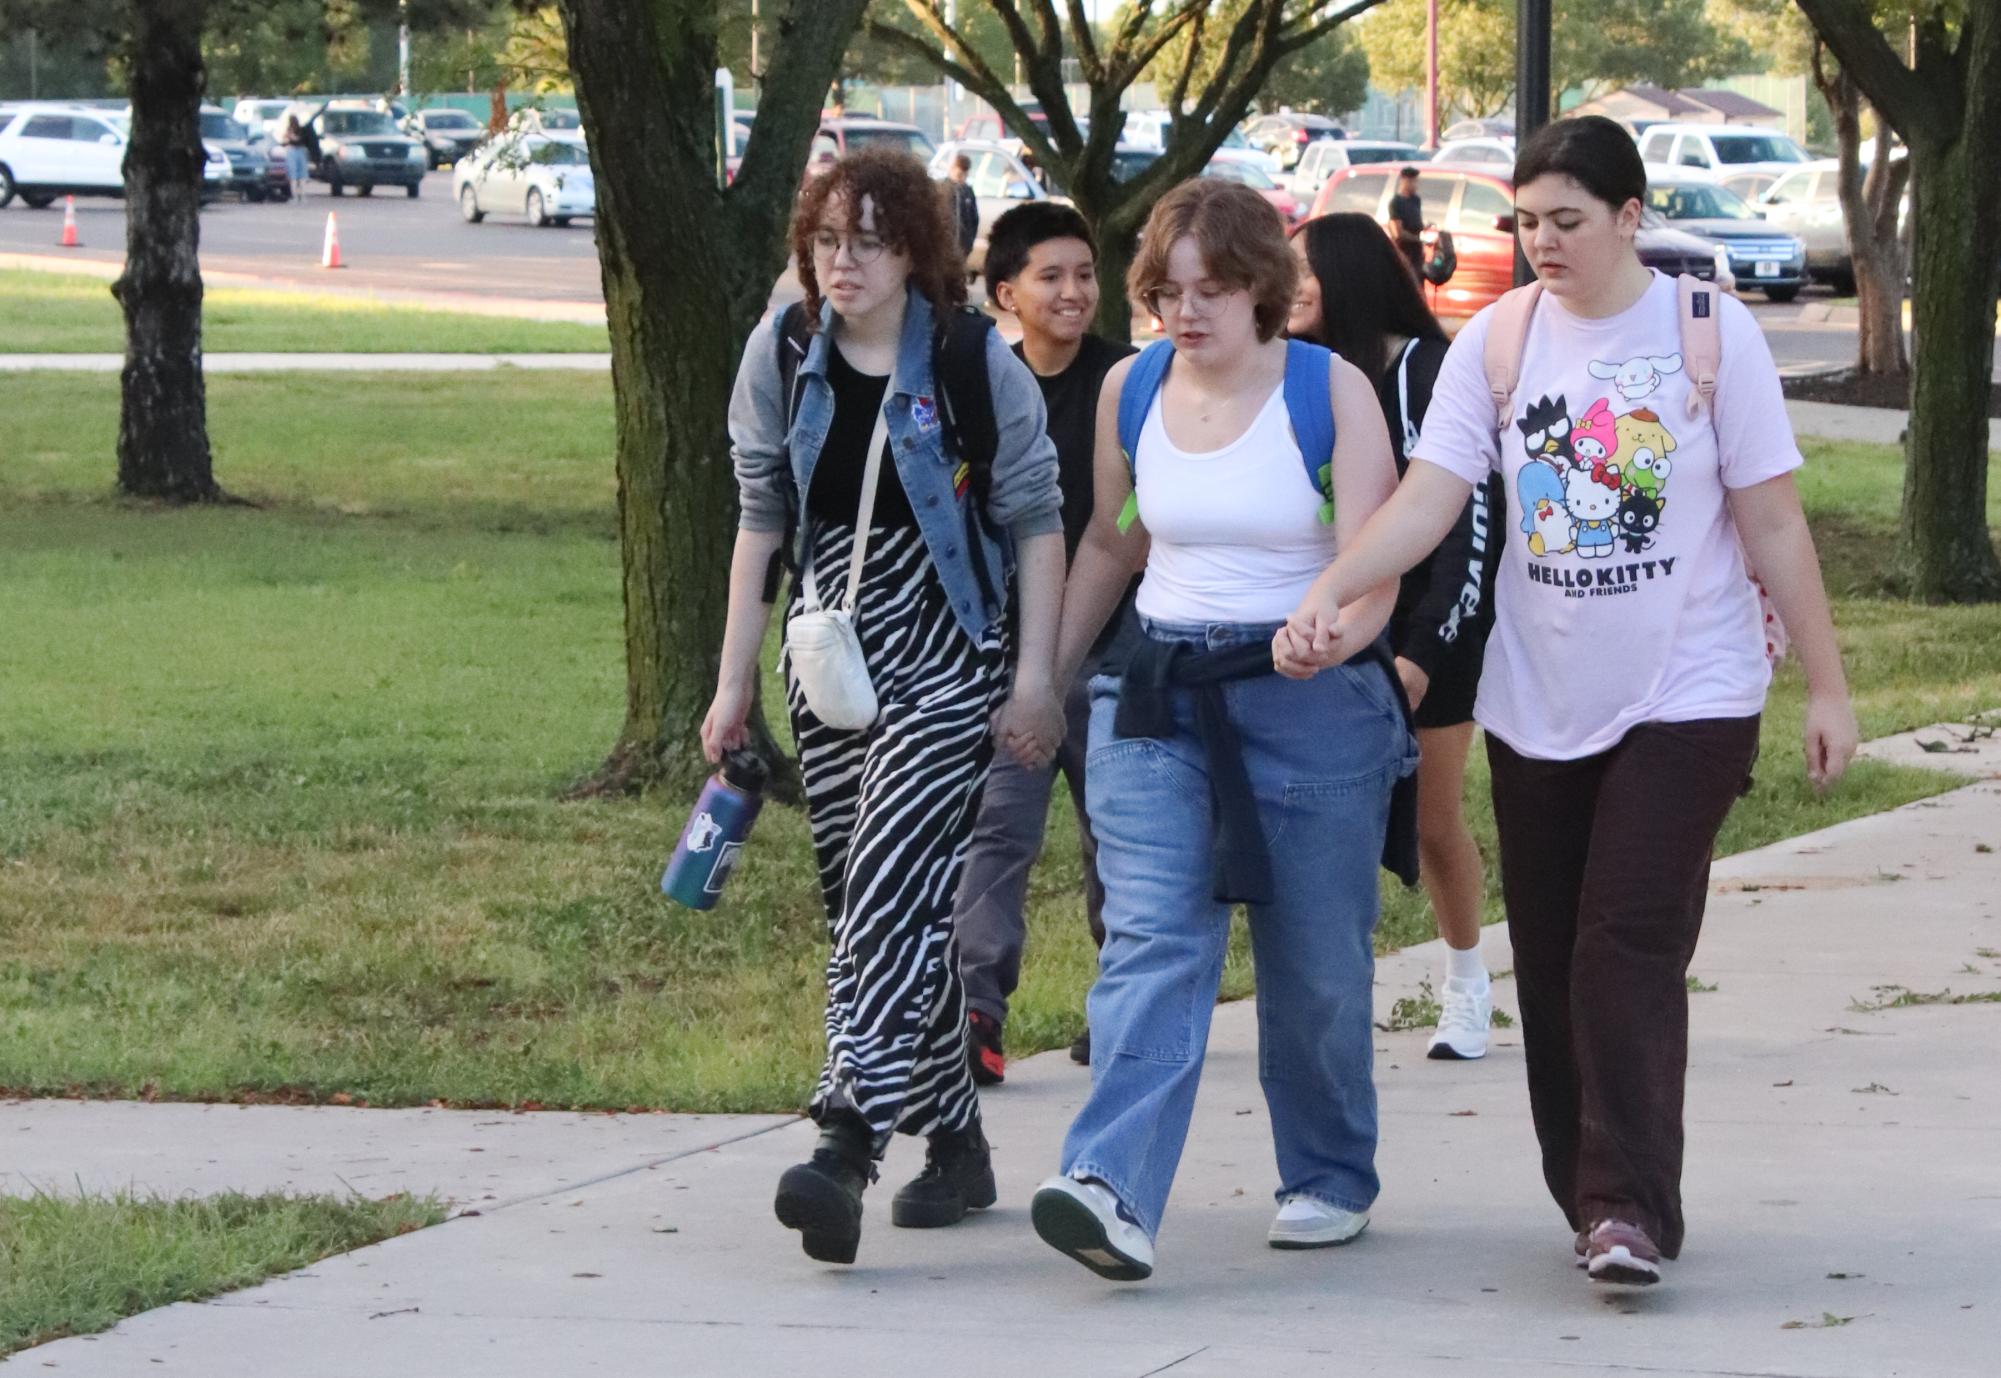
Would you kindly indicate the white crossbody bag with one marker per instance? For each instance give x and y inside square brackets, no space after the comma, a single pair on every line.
[826,649]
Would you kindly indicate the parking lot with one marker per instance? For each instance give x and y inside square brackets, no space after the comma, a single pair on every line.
[392,244]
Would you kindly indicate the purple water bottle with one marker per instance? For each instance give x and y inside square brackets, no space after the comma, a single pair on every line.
[716,831]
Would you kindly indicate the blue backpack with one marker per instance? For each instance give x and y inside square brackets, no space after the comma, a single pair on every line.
[1308,403]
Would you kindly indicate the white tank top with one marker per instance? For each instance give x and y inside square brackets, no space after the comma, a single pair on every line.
[1237,535]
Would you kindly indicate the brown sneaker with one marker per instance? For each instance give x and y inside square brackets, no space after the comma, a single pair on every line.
[1618,1252]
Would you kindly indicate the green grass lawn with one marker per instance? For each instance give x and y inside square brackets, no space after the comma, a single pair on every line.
[71,1266]
[277,784]
[50,313]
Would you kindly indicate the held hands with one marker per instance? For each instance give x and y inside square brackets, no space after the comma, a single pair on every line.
[1031,724]
[1312,639]
[726,726]
[1831,738]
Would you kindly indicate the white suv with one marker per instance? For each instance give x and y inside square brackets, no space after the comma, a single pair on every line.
[1720,149]
[50,149]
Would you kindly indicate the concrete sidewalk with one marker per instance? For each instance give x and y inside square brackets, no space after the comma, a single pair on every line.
[1842,1163]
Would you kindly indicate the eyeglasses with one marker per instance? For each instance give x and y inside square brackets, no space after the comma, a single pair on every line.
[862,248]
[1164,301]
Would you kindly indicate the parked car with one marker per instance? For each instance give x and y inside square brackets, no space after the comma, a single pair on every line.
[1326,157]
[1806,202]
[1718,149]
[1478,206]
[261,119]
[1762,257]
[1153,128]
[839,137]
[1482,150]
[361,147]
[1490,128]
[1749,185]
[52,148]
[447,134]
[989,127]
[249,174]
[547,180]
[1290,209]
[999,179]
[1286,136]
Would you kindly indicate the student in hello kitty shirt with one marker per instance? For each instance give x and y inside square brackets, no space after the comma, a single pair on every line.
[1611,684]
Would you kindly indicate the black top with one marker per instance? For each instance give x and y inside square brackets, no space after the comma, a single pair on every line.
[836,494]
[1445,604]
[1408,211]
[1071,398]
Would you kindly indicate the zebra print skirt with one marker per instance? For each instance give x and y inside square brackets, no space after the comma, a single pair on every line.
[892,811]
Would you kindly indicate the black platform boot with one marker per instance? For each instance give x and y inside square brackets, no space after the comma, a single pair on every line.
[958,1176]
[822,1197]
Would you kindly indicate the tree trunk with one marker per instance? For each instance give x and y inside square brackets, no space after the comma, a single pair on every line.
[163,449]
[687,270]
[1875,252]
[1946,552]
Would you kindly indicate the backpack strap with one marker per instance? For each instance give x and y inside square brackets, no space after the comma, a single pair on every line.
[1701,340]
[1309,403]
[1507,337]
[793,339]
[965,394]
[1143,381]
[971,429]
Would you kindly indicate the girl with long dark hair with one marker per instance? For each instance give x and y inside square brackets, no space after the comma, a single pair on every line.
[1357,297]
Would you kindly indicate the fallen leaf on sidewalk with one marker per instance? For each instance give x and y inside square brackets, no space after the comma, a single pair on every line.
[1828,1320]
[1787,1082]
[1874,1088]
[1845,1277]
[587,1275]
[1463,1114]
[406,1311]
[668,1229]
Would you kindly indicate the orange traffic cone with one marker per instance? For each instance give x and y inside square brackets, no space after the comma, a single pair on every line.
[330,252]
[69,239]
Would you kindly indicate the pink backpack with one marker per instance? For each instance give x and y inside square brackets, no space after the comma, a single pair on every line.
[1702,357]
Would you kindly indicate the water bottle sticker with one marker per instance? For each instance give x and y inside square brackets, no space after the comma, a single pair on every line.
[703,832]
[725,863]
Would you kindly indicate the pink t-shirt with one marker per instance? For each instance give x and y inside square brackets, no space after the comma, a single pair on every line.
[1622,596]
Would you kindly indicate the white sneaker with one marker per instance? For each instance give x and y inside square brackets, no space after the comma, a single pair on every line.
[1304,1222]
[1467,1010]
[1087,1222]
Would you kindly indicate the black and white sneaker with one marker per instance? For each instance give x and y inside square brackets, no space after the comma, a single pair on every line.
[1087,1222]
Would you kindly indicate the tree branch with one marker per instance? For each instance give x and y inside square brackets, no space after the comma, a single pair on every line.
[1911,101]
[1178,100]
[1086,44]
[797,76]
[1138,59]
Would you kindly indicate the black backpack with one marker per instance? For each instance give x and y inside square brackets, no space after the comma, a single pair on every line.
[965,415]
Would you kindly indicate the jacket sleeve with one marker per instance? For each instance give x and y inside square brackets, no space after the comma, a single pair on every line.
[1025,497]
[1445,608]
[757,433]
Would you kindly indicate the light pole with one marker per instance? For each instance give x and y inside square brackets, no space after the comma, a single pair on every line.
[403,48]
[1431,74]
[1531,90]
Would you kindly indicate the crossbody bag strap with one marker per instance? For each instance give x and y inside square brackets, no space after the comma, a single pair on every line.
[878,441]
[1403,397]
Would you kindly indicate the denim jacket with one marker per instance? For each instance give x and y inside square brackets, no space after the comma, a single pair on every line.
[1024,500]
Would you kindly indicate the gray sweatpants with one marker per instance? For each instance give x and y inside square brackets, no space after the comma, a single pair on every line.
[989,916]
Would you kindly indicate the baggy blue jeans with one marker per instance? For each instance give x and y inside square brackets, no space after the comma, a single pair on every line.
[1322,755]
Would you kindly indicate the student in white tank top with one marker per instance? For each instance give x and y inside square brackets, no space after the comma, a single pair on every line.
[1237,786]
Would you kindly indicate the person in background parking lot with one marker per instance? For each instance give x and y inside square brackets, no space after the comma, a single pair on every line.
[1407,220]
[965,205]
[1042,265]
[293,140]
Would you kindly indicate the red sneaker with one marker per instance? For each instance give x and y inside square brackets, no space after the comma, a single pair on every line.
[983,1050]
